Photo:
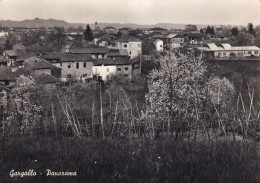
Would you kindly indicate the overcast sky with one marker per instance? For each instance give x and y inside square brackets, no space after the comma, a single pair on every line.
[135,11]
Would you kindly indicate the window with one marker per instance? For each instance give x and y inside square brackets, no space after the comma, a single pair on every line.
[77,65]
[219,54]
[126,68]
[130,52]
[118,69]
[69,66]
[84,64]
[125,45]
[84,75]
[256,52]
[69,76]
[126,75]
[107,69]
[224,54]
[249,52]
[107,77]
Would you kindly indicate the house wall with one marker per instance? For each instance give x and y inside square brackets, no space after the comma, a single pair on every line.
[134,49]
[105,71]
[159,46]
[99,56]
[74,72]
[248,53]
[121,69]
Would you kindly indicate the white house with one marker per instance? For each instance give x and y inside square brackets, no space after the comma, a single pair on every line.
[105,68]
[131,44]
[158,44]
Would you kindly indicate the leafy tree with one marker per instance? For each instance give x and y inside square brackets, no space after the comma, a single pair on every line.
[24,114]
[243,39]
[234,31]
[250,28]
[88,34]
[179,94]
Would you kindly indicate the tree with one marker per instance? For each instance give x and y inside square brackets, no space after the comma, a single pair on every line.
[234,31]
[201,31]
[24,114]
[8,45]
[243,39]
[88,34]
[209,30]
[250,28]
[179,94]
[212,31]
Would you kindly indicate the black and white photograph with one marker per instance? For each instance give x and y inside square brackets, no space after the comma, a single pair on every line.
[129,91]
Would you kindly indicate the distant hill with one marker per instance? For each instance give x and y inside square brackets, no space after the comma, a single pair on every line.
[37,22]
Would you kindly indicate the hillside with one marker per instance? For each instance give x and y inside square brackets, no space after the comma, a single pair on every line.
[37,22]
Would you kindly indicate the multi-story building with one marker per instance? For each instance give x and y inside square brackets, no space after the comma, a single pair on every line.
[131,44]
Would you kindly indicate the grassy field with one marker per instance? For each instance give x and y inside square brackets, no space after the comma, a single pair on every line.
[125,161]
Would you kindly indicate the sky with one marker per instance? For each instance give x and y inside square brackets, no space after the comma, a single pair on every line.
[233,12]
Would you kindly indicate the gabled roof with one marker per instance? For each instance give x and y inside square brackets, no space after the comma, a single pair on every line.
[116,61]
[51,56]
[6,74]
[117,52]
[11,53]
[38,63]
[90,50]
[46,78]
[69,57]
[128,39]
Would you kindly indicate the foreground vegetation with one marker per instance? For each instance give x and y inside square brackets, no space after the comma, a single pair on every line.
[129,161]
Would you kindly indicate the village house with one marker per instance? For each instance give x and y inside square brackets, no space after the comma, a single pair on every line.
[131,44]
[194,39]
[76,66]
[106,68]
[158,44]
[7,77]
[174,40]
[11,55]
[3,61]
[37,66]
[46,79]
[225,50]
[95,52]
[3,33]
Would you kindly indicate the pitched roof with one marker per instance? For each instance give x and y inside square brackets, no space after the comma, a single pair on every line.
[69,57]
[11,53]
[89,50]
[116,61]
[127,39]
[51,56]
[46,78]
[6,74]
[117,52]
[38,63]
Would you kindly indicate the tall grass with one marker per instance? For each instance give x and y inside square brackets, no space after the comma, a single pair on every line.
[126,161]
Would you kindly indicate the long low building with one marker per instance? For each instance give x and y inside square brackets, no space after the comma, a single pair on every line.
[225,50]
